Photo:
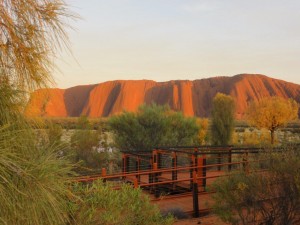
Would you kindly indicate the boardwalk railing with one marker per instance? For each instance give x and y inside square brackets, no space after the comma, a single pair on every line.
[179,171]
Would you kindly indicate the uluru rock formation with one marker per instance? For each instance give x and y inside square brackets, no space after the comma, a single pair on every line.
[193,98]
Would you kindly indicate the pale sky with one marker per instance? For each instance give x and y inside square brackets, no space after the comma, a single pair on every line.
[181,40]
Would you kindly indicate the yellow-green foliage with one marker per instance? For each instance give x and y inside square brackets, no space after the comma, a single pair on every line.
[100,204]
[54,133]
[33,180]
[33,177]
[222,119]
[251,138]
[84,146]
[68,123]
[10,104]
[31,33]
[272,113]
[203,131]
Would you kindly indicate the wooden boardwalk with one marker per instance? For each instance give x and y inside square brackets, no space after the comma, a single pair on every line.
[178,177]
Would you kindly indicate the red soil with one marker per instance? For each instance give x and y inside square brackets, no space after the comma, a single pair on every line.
[206,220]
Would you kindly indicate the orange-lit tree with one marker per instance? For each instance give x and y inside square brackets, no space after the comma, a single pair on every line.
[272,113]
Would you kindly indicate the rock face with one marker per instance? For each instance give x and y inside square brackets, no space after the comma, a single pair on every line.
[193,98]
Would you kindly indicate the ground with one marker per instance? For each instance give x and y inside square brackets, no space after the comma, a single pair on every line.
[206,220]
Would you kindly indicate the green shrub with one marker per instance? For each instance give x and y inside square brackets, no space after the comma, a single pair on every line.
[91,148]
[271,197]
[153,126]
[100,204]
[55,133]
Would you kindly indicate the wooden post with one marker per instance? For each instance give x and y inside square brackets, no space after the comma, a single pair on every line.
[204,171]
[155,180]
[127,164]
[195,195]
[123,162]
[135,183]
[229,160]
[245,162]
[192,164]
[150,176]
[154,166]
[138,166]
[174,166]
[159,165]
[124,165]
[219,162]
[154,156]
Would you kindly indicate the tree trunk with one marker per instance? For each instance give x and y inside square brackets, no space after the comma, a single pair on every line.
[272,136]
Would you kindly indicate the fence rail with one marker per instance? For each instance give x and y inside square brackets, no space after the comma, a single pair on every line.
[180,172]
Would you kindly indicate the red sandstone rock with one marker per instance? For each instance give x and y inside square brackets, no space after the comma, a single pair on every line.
[190,97]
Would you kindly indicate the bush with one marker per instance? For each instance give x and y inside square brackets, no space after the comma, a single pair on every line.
[271,197]
[100,204]
[153,126]
[55,133]
[89,146]
[252,137]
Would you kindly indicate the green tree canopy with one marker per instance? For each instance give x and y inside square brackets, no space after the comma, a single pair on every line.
[272,113]
[222,119]
[153,126]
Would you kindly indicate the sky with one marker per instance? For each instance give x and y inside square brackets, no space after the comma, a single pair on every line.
[180,40]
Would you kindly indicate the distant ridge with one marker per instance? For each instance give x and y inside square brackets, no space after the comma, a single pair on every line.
[193,98]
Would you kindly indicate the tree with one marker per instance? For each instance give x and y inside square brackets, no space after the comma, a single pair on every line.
[222,119]
[272,113]
[34,185]
[31,33]
[152,126]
